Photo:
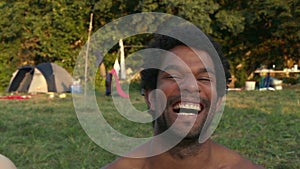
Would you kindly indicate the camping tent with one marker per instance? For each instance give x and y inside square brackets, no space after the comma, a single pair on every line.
[45,77]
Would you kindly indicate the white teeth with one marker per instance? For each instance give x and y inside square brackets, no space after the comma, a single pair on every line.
[186,114]
[188,106]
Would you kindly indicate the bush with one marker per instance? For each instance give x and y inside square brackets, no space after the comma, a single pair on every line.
[291,80]
[241,76]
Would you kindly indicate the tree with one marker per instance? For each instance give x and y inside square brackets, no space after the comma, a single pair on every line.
[268,33]
[252,32]
[41,31]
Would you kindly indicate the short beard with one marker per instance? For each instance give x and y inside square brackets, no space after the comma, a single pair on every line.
[161,124]
[189,145]
[186,148]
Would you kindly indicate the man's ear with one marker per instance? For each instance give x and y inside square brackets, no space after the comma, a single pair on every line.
[146,97]
[220,102]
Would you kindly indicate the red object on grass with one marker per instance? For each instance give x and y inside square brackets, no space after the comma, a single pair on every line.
[15,97]
[118,86]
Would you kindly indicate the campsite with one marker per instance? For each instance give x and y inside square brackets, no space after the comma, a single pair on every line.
[54,52]
[44,78]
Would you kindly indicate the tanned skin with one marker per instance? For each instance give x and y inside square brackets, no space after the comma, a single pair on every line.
[209,156]
[189,153]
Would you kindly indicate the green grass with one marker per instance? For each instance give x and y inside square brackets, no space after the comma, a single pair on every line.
[263,126]
[42,133]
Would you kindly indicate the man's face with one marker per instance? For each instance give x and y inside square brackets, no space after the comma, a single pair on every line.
[189,85]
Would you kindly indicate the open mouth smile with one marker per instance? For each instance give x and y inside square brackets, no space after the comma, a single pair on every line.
[187,108]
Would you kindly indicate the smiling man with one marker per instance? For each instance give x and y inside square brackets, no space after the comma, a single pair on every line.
[189,88]
[184,94]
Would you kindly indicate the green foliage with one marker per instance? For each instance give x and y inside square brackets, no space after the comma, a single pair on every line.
[290,80]
[270,33]
[231,21]
[5,73]
[40,31]
[251,32]
[241,75]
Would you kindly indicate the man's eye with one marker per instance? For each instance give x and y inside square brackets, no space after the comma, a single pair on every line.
[206,79]
[173,77]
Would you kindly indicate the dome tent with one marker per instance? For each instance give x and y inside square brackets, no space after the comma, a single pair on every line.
[45,77]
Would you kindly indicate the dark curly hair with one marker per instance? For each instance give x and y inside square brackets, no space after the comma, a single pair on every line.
[149,75]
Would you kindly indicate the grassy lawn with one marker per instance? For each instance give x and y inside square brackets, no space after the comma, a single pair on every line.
[42,133]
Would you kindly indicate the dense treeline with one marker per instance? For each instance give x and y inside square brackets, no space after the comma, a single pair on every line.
[252,33]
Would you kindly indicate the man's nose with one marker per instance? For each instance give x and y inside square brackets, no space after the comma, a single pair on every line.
[189,84]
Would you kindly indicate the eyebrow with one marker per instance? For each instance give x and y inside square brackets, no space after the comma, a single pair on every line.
[176,67]
[207,70]
[171,67]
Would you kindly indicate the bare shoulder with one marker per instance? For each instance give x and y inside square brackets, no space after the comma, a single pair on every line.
[246,164]
[230,159]
[125,163]
[129,163]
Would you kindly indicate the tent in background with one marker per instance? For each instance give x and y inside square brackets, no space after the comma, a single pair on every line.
[43,78]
